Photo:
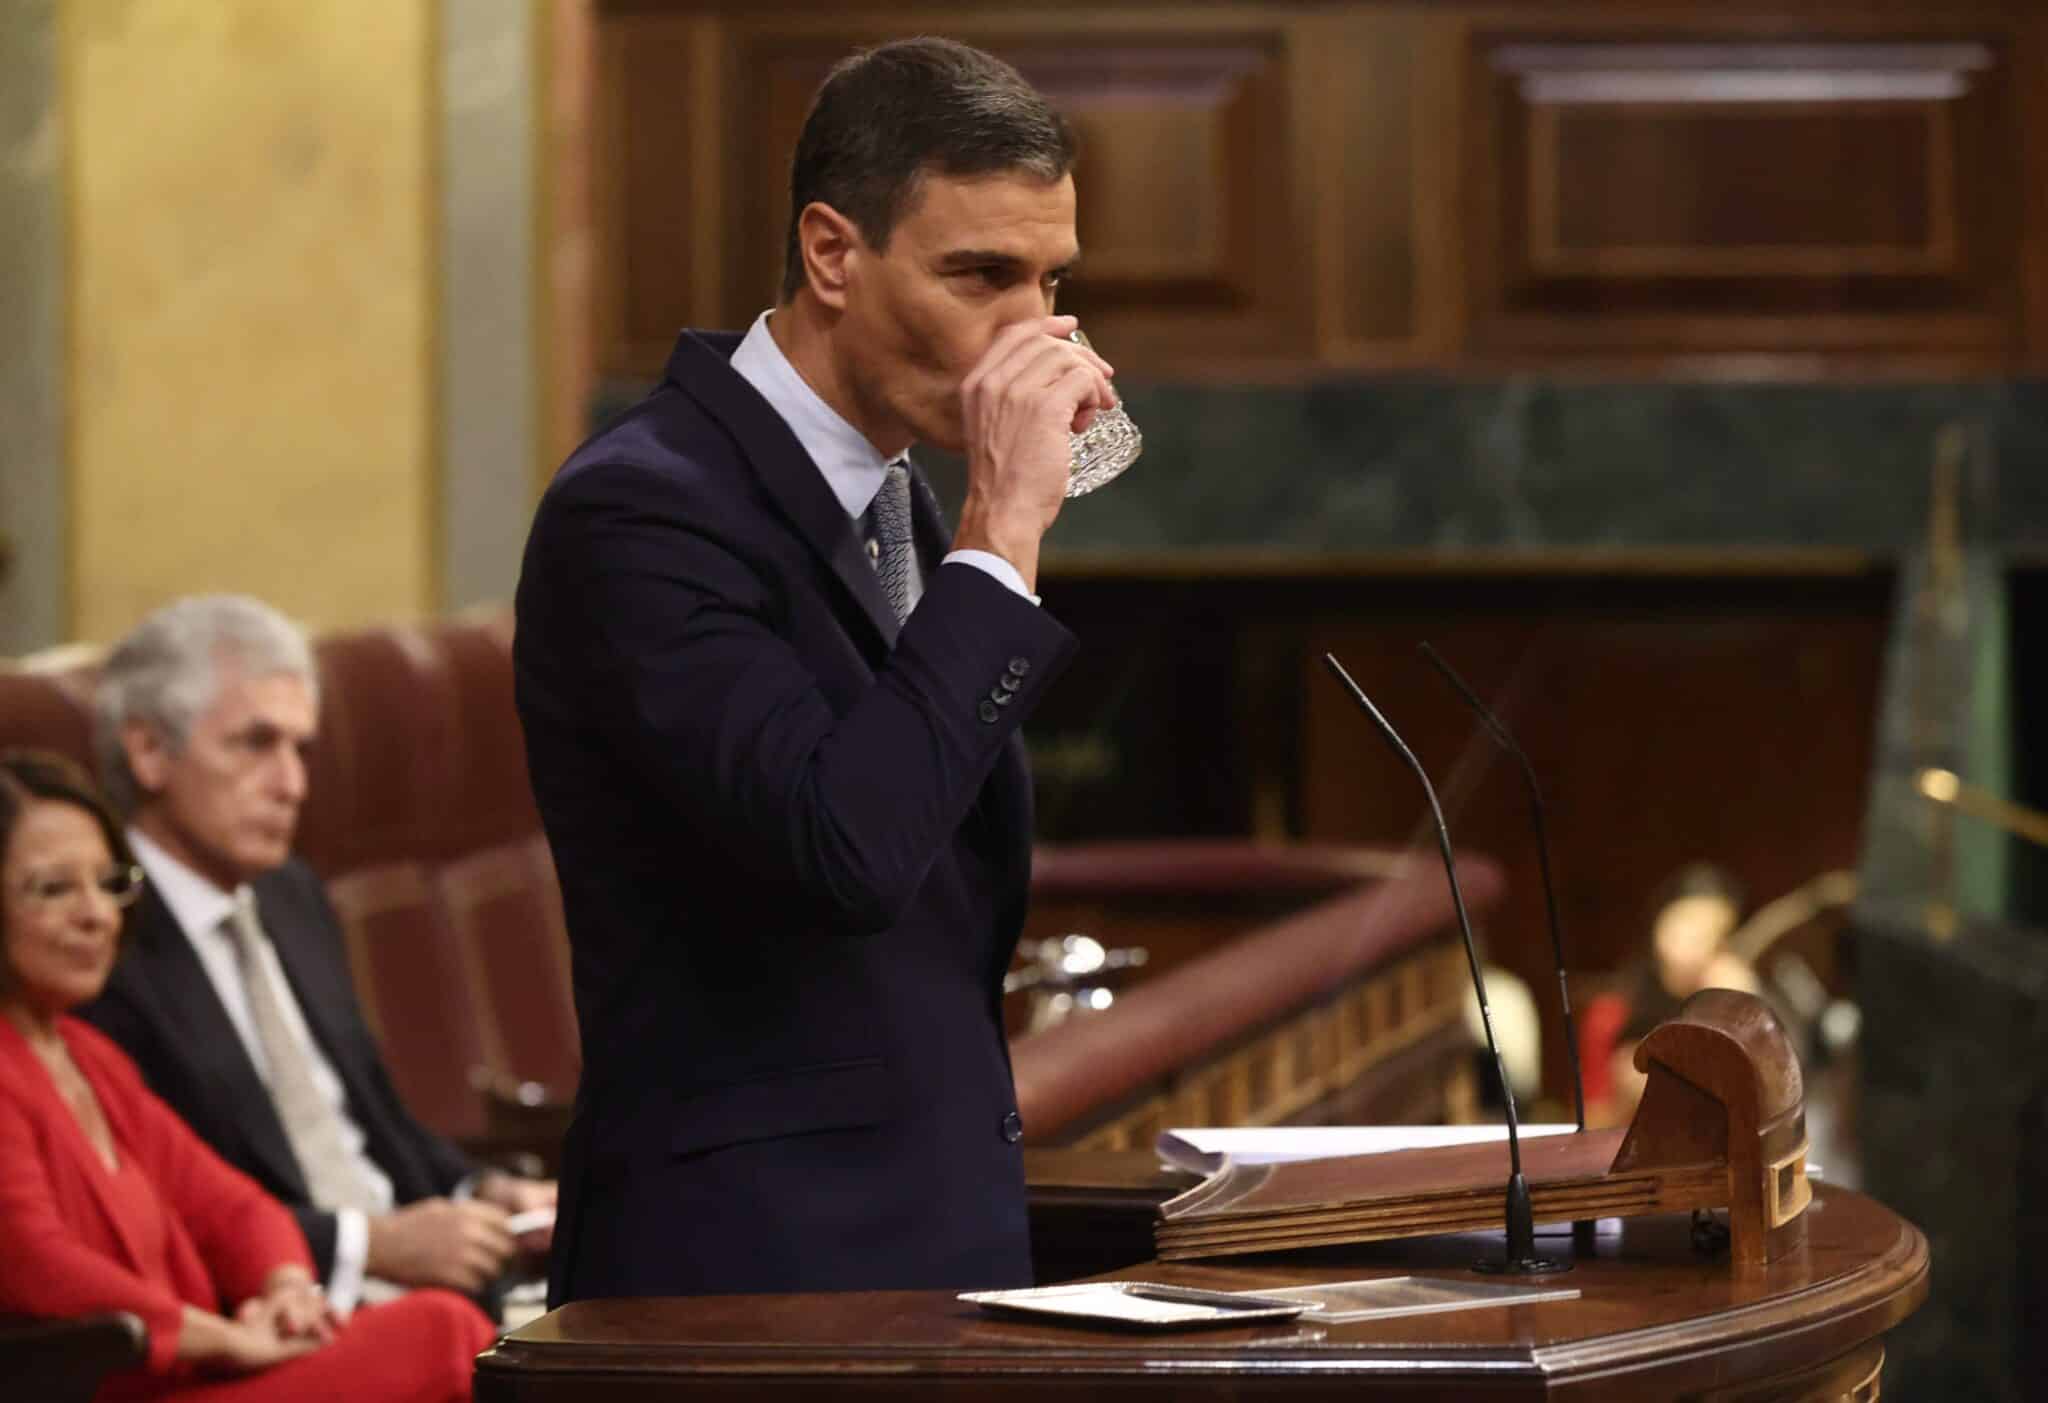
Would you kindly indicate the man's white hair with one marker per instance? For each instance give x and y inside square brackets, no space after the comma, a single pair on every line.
[168,671]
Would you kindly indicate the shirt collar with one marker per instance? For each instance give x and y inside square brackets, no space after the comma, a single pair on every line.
[853,468]
[196,902]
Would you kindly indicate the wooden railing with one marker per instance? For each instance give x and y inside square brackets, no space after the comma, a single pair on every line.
[1352,1003]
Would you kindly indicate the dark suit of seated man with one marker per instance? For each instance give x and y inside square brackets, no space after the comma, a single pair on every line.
[234,996]
[772,720]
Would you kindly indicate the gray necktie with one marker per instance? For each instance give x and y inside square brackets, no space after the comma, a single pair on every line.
[891,544]
[310,1120]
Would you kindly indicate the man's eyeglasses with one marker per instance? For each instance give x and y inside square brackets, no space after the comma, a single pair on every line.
[120,885]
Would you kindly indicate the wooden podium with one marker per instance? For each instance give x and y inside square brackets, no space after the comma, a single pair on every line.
[1654,1321]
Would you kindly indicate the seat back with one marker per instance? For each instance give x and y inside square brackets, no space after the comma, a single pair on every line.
[418,992]
[505,909]
[419,818]
[46,704]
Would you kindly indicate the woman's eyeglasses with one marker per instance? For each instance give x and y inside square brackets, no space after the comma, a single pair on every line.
[120,885]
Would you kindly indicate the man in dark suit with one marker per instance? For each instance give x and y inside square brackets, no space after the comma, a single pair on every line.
[772,720]
[234,995]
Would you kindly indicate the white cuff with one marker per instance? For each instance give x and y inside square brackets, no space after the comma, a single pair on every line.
[989,563]
[351,1257]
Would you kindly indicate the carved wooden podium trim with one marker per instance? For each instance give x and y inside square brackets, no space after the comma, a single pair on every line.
[1722,1079]
[1722,1124]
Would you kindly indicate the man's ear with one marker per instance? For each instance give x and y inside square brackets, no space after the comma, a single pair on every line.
[149,755]
[831,246]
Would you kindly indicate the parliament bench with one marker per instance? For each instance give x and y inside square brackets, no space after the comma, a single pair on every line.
[1290,983]
[420,820]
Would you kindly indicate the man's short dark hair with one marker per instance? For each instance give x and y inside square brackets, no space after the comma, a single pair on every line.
[885,117]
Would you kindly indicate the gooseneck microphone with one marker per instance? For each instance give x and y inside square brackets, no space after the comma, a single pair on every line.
[1506,742]
[1521,1222]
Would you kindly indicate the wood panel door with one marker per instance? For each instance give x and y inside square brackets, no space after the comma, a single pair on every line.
[1282,190]
[1743,192]
[1193,251]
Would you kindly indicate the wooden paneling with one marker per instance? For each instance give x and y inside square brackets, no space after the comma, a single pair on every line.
[1190,236]
[1295,187]
[1672,715]
[1172,136]
[1188,239]
[1375,186]
[1726,194]
[659,188]
[1178,240]
[1278,190]
[2030,119]
[1670,722]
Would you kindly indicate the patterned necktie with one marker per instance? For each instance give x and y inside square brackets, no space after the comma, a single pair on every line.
[891,545]
[310,1121]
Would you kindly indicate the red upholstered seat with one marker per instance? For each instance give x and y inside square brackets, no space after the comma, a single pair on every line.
[419,816]
[421,767]
[421,820]
[506,912]
[48,709]
[418,991]
[490,802]
[382,778]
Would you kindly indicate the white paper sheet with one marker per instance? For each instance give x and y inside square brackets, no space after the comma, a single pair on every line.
[1200,1150]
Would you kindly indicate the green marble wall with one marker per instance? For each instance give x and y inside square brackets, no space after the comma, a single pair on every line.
[1536,464]
[1405,464]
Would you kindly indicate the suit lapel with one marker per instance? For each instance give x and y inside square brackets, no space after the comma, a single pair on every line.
[178,993]
[928,523]
[701,367]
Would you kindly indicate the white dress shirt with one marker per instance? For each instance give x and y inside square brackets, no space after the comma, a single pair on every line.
[852,466]
[202,910]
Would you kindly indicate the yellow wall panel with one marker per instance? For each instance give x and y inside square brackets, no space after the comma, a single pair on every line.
[253,306]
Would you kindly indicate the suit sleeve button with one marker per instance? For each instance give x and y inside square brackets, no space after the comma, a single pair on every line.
[1019,666]
[989,711]
[1013,1127]
[1010,684]
[999,696]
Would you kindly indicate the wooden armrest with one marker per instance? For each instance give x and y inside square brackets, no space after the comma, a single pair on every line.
[523,1124]
[499,1089]
[65,1360]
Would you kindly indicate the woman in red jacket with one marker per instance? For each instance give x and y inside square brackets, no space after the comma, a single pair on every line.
[107,1200]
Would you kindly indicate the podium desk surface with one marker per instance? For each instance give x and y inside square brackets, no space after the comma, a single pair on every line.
[1654,1320]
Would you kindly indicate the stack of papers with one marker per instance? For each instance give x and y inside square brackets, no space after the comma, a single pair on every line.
[1276,1204]
[1202,1151]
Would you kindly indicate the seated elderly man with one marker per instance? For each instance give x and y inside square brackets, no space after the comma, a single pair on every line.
[234,997]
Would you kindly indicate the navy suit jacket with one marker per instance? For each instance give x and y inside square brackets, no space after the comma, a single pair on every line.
[794,843]
[161,1007]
